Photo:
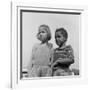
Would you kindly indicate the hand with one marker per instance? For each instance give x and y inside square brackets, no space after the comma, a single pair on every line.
[49,64]
[55,63]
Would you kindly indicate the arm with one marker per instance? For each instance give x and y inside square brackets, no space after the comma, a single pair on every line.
[70,57]
[67,58]
[65,61]
[51,55]
[31,62]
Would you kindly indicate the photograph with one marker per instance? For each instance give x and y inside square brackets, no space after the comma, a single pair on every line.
[49,43]
[45,44]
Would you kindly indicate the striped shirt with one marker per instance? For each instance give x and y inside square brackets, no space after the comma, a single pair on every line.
[65,53]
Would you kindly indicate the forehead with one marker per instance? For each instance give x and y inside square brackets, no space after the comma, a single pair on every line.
[43,28]
[58,33]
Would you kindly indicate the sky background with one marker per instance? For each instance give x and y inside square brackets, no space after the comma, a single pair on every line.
[31,22]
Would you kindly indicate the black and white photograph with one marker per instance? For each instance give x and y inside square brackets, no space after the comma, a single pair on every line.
[45,44]
[49,43]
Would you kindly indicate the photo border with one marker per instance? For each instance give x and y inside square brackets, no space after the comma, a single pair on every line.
[36,11]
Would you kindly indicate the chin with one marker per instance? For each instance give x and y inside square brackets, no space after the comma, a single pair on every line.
[59,44]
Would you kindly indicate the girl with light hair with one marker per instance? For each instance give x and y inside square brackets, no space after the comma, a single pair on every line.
[41,54]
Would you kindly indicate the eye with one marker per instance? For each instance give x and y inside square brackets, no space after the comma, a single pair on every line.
[58,36]
[42,32]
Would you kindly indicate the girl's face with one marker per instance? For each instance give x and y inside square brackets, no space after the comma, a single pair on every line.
[42,35]
[59,38]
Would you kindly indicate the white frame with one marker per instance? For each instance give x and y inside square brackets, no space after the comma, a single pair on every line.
[15,35]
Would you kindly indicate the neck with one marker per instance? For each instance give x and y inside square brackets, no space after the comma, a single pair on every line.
[46,42]
[62,45]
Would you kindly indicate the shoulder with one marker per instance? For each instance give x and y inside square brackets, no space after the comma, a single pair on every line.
[56,50]
[35,46]
[69,48]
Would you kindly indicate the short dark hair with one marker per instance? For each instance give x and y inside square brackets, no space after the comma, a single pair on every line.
[63,32]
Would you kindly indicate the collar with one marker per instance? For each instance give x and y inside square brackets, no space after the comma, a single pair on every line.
[63,46]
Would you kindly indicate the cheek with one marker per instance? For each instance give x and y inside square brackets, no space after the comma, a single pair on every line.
[46,35]
[62,39]
[57,41]
[38,36]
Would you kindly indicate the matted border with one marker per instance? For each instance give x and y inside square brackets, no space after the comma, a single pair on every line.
[17,39]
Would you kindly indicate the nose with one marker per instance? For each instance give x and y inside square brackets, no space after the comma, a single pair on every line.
[58,40]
